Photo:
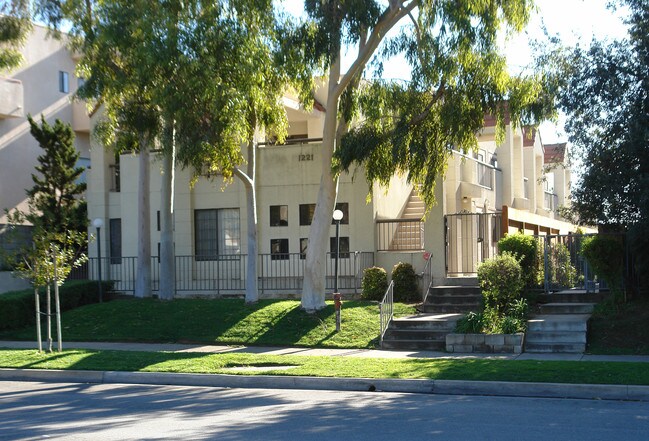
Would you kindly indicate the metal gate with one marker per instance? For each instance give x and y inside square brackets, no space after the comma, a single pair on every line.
[470,239]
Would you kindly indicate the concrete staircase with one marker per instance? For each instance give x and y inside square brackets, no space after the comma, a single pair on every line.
[409,235]
[420,332]
[561,326]
[444,306]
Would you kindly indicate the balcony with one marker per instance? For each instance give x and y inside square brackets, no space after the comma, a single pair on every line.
[550,200]
[80,118]
[11,104]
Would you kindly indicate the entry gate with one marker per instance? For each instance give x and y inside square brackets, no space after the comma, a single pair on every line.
[470,239]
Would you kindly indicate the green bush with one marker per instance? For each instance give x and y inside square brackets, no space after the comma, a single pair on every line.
[526,249]
[17,309]
[605,254]
[501,281]
[562,272]
[374,283]
[406,288]
[472,323]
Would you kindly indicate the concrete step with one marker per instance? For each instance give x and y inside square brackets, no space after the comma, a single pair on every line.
[442,308]
[416,334]
[559,322]
[457,299]
[556,337]
[573,296]
[433,322]
[570,348]
[451,290]
[458,281]
[567,308]
[424,345]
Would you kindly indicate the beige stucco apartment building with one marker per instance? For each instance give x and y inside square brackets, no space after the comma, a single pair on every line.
[42,85]
[498,189]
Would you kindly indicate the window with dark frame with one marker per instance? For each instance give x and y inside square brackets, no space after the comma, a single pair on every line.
[279,249]
[306,213]
[304,243]
[344,207]
[115,241]
[344,247]
[217,234]
[64,82]
[279,215]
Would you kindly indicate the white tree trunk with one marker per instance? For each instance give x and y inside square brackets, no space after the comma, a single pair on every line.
[143,276]
[57,304]
[249,180]
[37,303]
[167,254]
[48,293]
[313,291]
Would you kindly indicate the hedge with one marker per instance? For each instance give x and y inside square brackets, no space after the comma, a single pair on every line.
[17,308]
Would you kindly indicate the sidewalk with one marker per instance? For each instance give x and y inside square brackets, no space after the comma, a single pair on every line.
[445,387]
[367,353]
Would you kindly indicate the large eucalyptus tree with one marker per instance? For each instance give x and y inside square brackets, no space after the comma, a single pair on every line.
[457,77]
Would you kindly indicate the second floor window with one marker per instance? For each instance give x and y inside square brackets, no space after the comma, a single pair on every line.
[64,82]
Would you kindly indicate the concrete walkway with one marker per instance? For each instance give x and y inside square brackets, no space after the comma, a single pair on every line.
[424,386]
[367,353]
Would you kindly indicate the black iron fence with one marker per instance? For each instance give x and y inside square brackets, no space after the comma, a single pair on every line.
[400,234]
[471,238]
[226,274]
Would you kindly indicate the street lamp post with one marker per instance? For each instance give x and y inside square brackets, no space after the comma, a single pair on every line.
[338,215]
[98,223]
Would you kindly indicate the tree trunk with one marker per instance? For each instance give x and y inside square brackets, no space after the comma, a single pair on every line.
[57,303]
[167,255]
[49,317]
[249,179]
[37,303]
[143,277]
[313,291]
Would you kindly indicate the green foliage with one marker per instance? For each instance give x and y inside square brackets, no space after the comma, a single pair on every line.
[605,255]
[15,24]
[17,309]
[562,272]
[472,323]
[406,288]
[526,249]
[501,281]
[374,283]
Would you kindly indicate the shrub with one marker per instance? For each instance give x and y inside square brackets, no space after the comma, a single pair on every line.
[472,323]
[562,272]
[405,283]
[501,281]
[17,309]
[526,249]
[605,255]
[374,283]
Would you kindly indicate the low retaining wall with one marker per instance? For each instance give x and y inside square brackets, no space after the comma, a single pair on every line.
[485,343]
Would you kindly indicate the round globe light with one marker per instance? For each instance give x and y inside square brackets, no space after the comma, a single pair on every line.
[338,215]
[98,222]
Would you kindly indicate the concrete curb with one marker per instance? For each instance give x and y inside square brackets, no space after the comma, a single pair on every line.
[441,387]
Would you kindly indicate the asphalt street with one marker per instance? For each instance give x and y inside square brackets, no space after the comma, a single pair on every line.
[60,411]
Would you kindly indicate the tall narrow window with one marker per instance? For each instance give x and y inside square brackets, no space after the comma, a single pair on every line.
[304,244]
[217,233]
[279,215]
[64,82]
[115,245]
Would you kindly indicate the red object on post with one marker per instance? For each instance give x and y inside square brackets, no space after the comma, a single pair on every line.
[338,300]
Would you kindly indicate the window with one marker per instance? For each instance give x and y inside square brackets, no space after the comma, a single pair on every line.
[115,245]
[80,82]
[306,213]
[216,233]
[279,249]
[278,215]
[344,207]
[157,220]
[85,164]
[344,247]
[304,243]
[64,82]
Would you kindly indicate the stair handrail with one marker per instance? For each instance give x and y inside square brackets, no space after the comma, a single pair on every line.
[427,277]
[386,310]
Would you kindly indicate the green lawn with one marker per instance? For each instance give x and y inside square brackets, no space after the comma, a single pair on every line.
[229,321]
[465,369]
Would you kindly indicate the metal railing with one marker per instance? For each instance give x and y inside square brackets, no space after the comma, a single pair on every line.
[386,311]
[400,234]
[550,200]
[427,278]
[485,173]
[226,274]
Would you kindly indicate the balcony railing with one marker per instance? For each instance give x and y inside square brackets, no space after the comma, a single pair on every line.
[400,234]
[485,174]
[550,200]
[115,184]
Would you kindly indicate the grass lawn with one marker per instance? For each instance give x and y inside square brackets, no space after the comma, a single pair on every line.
[466,369]
[226,321]
[620,330]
